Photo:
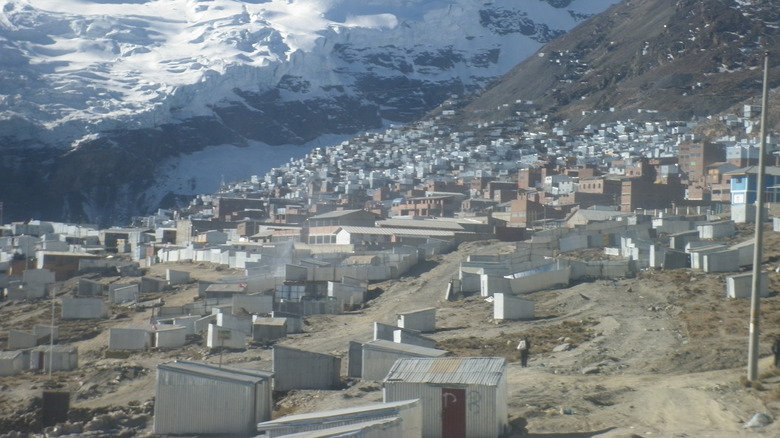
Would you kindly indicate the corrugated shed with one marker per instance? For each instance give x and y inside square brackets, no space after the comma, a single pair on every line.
[397,231]
[60,357]
[299,369]
[196,398]
[482,381]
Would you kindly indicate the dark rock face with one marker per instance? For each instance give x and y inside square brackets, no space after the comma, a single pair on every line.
[684,59]
[507,21]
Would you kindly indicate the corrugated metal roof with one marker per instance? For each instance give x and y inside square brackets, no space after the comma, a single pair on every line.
[397,231]
[451,370]
[334,214]
[420,224]
[215,372]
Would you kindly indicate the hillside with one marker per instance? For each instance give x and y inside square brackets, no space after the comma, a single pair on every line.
[684,59]
[662,354]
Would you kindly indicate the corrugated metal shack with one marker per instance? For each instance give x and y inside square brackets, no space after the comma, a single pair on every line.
[461,397]
[408,411]
[170,336]
[268,329]
[130,338]
[11,363]
[84,308]
[298,369]
[199,398]
[60,357]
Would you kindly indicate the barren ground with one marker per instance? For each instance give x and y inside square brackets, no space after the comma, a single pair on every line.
[663,354]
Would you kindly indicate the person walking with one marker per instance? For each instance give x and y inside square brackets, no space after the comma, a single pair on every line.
[776,351]
[525,349]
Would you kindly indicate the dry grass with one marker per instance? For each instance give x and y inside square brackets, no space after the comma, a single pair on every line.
[543,340]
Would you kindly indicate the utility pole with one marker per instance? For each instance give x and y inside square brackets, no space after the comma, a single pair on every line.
[755,299]
[51,330]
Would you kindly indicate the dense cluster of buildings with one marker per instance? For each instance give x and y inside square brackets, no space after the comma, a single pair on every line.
[510,174]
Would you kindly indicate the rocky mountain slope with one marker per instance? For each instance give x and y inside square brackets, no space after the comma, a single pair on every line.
[104,103]
[680,59]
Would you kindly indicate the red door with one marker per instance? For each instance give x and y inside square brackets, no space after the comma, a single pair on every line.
[453,413]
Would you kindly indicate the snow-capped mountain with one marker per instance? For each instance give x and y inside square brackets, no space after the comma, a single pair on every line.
[107,107]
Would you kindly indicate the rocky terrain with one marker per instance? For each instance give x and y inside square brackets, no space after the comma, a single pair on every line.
[678,60]
[663,354]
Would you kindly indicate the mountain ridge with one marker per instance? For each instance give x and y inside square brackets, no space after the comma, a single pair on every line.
[684,59]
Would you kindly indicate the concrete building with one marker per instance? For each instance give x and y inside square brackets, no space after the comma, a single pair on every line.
[129,338]
[84,308]
[741,285]
[222,337]
[18,339]
[510,307]
[11,363]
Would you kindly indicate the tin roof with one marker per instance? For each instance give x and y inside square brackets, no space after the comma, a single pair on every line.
[486,371]
[397,231]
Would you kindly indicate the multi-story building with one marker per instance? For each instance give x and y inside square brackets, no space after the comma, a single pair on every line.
[439,206]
